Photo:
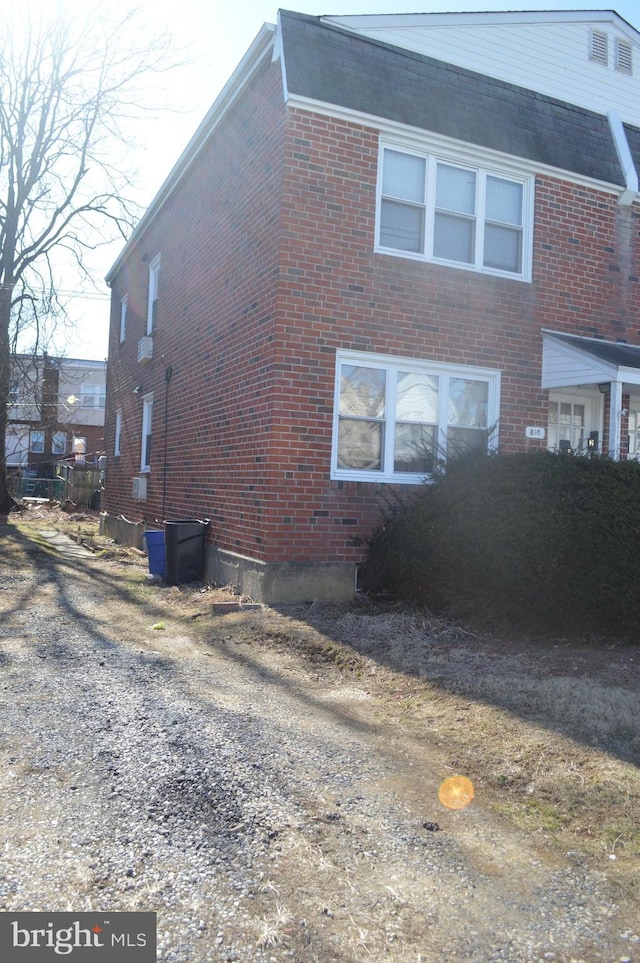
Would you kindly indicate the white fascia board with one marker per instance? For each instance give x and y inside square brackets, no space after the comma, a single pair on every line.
[474,153]
[231,90]
[278,54]
[629,376]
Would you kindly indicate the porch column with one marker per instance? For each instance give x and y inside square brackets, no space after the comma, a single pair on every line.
[615,407]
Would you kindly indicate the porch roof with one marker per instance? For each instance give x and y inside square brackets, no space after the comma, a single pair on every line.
[569,360]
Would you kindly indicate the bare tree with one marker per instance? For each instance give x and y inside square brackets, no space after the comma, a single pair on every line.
[70,87]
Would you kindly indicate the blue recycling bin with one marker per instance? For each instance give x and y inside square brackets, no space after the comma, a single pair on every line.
[156,552]
[184,550]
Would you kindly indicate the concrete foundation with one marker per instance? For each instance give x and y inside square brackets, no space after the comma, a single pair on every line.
[267,582]
[280,581]
[121,530]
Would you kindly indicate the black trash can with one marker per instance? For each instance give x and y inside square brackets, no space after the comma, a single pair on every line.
[184,550]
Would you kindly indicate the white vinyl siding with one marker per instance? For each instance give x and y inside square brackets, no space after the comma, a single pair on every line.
[396,419]
[437,210]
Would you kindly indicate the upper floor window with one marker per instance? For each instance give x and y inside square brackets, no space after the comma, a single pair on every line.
[36,442]
[14,393]
[58,443]
[152,307]
[93,396]
[123,319]
[395,419]
[465,216]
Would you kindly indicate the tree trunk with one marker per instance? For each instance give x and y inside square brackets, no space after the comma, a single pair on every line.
[6,501]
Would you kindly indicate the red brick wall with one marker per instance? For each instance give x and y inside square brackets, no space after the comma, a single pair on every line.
[218,236]
[268,268]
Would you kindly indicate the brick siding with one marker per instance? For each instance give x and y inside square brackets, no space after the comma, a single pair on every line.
[268,268]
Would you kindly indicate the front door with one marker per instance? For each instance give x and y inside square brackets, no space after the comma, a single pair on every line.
[573,415]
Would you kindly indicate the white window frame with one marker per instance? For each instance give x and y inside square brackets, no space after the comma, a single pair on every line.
[390,364]
[482,171]
[152,304]
[36,442]
[59,443]
[93,396]
[592,402]
[123,318]
[118,434]
[147,432]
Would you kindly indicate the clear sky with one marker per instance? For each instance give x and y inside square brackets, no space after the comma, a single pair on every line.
[214,35]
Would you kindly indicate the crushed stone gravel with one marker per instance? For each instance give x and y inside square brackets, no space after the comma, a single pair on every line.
[254,814]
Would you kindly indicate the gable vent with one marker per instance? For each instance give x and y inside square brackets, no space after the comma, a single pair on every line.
[623,56]
[599,47]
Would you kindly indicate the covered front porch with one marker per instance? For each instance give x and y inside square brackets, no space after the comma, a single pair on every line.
[594,394]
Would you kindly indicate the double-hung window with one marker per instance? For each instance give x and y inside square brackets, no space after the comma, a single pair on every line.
[93,396]
[123,318]
[118,432]
[59,443]
[437,210]
[36,442]
[152,305]
[147,422]
[396,419]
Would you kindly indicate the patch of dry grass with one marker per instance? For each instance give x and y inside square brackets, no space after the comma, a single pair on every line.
[547,728]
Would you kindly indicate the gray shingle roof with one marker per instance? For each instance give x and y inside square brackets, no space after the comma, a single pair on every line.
[622,355]
[633,139]
[328,64]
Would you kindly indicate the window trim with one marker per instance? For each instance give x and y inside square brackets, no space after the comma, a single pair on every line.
[36,433]
[152,302]
[483,169]
[147,432]
[123,318]
[118,433]
[58,450]
[443,371]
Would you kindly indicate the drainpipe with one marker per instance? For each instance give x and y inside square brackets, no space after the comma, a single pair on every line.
[625,159]
[615,409]
[167,378]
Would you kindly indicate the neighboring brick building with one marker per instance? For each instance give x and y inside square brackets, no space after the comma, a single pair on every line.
[390,237]
[56,411]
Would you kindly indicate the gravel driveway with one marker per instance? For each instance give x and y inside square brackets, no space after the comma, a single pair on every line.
[263,812]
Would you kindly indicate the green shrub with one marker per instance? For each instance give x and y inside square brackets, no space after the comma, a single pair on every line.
[547,541]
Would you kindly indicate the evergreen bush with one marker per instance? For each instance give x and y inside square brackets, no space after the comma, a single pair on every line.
[548,541]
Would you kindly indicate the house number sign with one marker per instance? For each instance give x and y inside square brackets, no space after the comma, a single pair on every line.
[533,432]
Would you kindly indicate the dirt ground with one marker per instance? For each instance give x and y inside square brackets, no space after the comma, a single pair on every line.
[547,729]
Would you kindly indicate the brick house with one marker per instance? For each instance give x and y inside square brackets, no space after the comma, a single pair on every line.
[391,236]
[56,411]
